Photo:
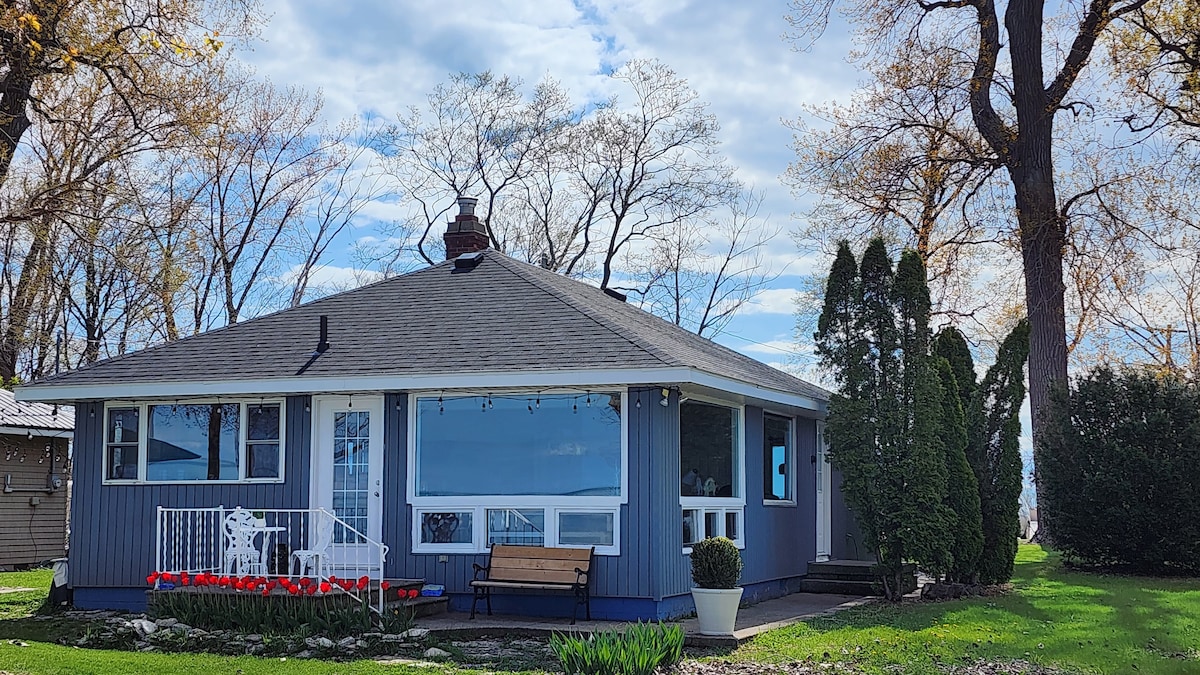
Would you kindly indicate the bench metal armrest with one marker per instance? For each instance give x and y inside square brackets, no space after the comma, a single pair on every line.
[480,569]
[581,577]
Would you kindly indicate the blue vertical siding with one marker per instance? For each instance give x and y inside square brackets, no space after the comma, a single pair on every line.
[672,569]
[847,541]
[112,526]
[780,538]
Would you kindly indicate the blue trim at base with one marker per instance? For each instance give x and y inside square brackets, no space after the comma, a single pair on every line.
[128,599]
[557,605]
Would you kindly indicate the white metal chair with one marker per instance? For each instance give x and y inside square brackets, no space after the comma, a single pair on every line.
[240,550]
[316,556]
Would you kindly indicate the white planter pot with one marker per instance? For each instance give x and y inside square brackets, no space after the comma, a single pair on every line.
[716,609]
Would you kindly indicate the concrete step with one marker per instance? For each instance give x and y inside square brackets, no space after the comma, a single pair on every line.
[422,606]
[840,587]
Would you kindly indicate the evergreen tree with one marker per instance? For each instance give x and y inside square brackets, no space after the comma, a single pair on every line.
[962,488]
[952,346]
[883,424]
[995,454]
[921,458]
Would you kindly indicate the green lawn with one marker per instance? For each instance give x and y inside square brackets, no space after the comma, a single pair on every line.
[1080,622]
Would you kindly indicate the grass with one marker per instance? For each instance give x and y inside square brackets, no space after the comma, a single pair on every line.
[1080,622]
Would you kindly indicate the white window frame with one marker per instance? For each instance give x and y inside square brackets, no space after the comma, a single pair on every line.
[722,504]
[480,504]
[791,458]
[479,527]
[244,405]
[702,528]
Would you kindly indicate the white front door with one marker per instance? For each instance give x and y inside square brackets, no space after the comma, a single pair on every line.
[348,473]
[824,497]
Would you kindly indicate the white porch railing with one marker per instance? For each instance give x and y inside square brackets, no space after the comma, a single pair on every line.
[271,543]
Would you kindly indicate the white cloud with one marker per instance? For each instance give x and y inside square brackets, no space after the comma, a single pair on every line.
[772,301]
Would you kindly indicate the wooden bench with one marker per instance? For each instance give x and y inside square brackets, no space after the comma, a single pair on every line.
[535,568]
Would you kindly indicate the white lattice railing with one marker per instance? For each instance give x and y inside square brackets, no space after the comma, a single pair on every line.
[271,543]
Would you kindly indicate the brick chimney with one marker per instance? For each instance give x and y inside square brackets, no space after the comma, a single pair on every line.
[466,233]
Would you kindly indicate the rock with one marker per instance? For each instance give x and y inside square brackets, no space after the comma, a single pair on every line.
[391,637]
[254,638]
[347,643]
[196,633]
[148,648]
[144,627]
[325,643]
[415,633]
[166,623]
[181,629]
[256,648]
[359,644]
[372,635]
[304,654]
[435,653]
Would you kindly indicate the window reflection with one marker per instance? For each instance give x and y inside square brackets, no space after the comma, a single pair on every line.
[192,442]
[561,445]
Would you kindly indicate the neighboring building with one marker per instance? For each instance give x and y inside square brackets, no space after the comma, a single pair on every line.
[34,446]
[477,401]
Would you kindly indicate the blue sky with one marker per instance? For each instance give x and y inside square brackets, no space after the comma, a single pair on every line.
[379,57]
[371,57]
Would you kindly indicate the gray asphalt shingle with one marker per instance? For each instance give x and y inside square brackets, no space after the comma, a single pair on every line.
[502,316]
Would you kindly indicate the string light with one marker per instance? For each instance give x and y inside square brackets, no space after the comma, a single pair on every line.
[441,408]
[529,404]
[538,404]
[490,406]
[589,399]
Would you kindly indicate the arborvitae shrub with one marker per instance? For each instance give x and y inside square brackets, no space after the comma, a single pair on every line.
[716,563]
[1119,478]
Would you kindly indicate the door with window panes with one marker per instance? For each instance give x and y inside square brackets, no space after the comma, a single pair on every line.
[348,472]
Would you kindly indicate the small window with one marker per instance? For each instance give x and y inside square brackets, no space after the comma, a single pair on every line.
[519,527]
[447,527]
[262,440]
[778,484]
[705,523]
[586,529]
[121,442]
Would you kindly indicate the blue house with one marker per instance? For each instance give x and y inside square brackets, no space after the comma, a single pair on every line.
[481,400]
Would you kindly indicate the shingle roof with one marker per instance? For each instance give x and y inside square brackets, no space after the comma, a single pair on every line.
[27,415]
[501,316]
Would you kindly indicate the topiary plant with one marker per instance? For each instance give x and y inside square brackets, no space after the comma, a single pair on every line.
[716,563]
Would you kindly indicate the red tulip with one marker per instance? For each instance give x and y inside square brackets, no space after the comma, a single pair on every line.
[305,582]
[184,578]
[266,592]
[150,579]
[326,587]
[332,579]
[362,583]
[312,590]
[168,577]
[271,585]
[294,590]
[223,581]
[384,585]
[412,593]
[239,585]
[346,585]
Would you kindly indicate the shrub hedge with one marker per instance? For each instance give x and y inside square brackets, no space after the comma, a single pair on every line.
[1119,474]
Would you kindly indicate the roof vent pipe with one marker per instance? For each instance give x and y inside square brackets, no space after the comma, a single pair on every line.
[323,345]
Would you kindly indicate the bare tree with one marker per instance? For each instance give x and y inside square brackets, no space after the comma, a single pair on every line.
[699,274]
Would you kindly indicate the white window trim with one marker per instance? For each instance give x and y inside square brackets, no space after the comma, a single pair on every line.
[479,504]
[791,459]
[144,424]
[722,504]
[740,541]
[479,529]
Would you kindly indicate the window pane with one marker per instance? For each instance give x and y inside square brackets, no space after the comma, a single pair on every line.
[123,425]
[691,527]
[262,422]
[564,447]
[712,524]
[263,460]
[777,470]
[446,527]
[708,450]
[522,527]
[192,442]
[731,525]
[586,529]
[122,462]
[351,469]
